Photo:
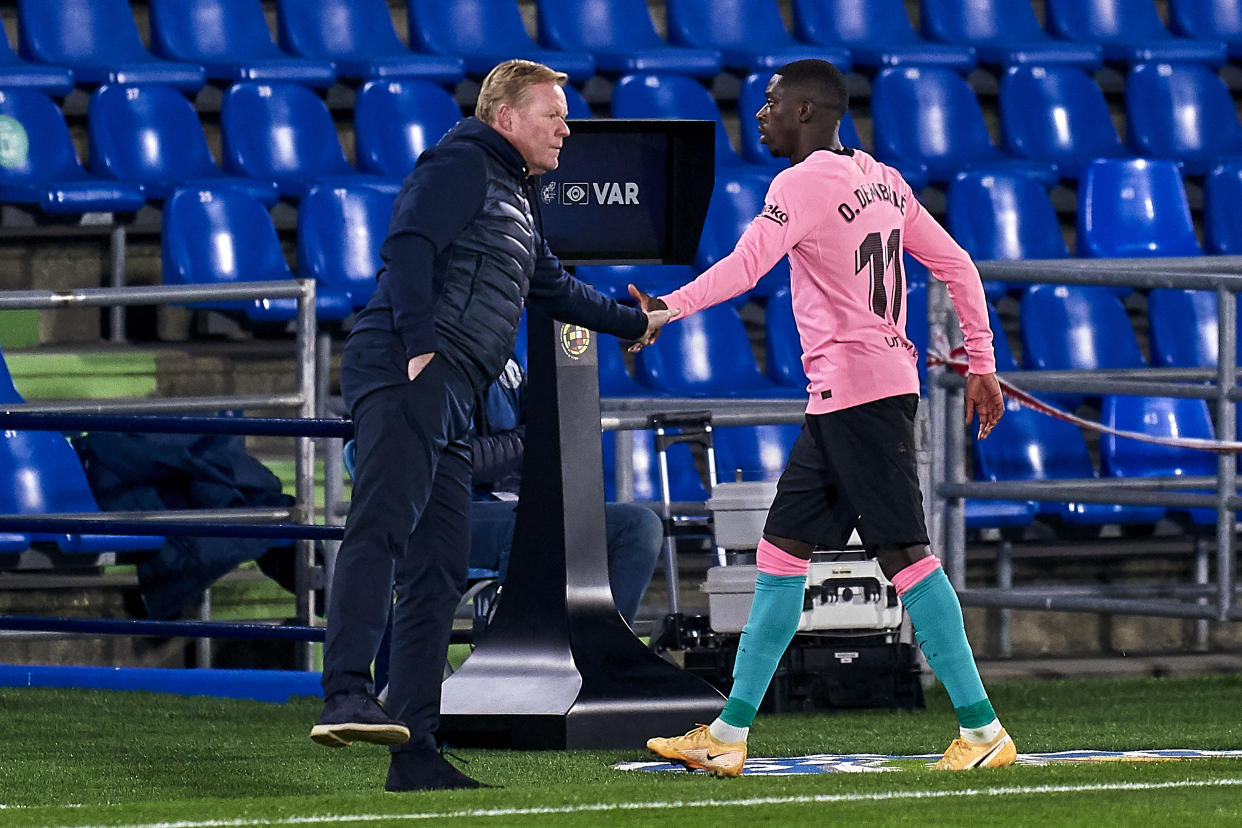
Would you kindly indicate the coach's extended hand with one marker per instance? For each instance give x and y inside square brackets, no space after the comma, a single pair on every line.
[658,315]
[983,394]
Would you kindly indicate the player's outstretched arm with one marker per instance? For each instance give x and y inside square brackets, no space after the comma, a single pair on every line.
[658,315]
[983,395]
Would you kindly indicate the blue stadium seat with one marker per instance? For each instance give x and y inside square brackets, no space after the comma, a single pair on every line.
[340,231]
[359,38]
[749,34]
[577,105]
[284,132]
[706,355]
[685,485]
[230,38]
[1134,208]
[1183,113]
[655,280]
[782,352]
[621,36]
[225,237]
[1208,20]
[1183,328]
[917,330]
[758,452]
[485,33]
[1159,417]
[734,205]
[17,73]
[1130,32]
[152,135]
[395,120]
[1027,445]
[1004,33]
[999,216]
[40,473]
[1076,327]
[929,115]
[41,167]
[676,96]
[878,34]
[615,379]
[1222,220]
[1057,114]
[98,40]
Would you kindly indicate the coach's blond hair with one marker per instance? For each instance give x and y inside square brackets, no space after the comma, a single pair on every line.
[508,82]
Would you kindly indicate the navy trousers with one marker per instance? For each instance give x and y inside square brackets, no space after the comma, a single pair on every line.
[408,527]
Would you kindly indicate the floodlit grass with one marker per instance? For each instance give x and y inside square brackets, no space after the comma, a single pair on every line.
[99,758]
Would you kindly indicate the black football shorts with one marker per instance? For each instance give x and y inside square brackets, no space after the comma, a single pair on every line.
[853,469]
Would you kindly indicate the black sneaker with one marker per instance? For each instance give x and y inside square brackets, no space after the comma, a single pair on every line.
[356,717]
[425,770]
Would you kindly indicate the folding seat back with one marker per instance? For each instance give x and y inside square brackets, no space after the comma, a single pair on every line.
[1129,30]
[615,379]
[1077,327]
[39,165]
[1182,112]
[1158,417]
[749,34]
[359,37]
[877,32]
[231,39]
[1222,221]
[930,115]
[281,131]
[15,72]
[225,237]
[484,33]
[782,348]
[395,120]
[1183,327]
[757,452]
[340,232]
[998,216]
[99,40]
[980,21]
[1132,208]
[1057,114]
[622,37]
[672,96]
[705,355]
[1208,20]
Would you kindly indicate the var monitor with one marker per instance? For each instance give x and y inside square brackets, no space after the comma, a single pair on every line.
[629,191]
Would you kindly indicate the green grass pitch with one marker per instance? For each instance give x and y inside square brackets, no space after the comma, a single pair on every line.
[77,758]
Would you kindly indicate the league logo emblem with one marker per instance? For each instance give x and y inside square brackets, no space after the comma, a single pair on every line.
[575,340]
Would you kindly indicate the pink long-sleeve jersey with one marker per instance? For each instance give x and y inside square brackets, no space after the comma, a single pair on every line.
[844,221]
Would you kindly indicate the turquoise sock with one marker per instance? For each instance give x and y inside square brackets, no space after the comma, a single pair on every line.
[773,620]
[936,615]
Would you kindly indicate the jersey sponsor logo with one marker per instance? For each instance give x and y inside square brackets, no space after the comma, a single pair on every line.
[774,213]
[602,193]
[864,197]
[575,340]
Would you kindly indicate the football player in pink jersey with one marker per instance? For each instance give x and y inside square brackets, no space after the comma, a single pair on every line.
[844,220]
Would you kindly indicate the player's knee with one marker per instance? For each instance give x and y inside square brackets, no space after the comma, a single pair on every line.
[893,559]
[797,548]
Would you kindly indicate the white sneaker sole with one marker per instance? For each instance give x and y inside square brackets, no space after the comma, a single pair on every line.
[343,735]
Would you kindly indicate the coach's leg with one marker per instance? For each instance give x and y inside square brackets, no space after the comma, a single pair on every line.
[431,578]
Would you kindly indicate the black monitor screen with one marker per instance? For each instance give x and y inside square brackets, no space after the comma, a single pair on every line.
[629,191]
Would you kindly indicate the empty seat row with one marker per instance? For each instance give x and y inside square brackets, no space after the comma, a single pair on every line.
[97,41]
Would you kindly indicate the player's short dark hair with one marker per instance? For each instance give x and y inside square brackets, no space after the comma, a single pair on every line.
[820,81]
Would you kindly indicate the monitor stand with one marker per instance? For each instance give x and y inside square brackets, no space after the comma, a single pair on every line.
[557,666]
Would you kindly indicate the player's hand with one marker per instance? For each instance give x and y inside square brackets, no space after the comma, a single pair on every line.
[658,315]
[983,395]
[417,364]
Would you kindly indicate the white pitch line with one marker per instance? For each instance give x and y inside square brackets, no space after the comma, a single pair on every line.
[327,819]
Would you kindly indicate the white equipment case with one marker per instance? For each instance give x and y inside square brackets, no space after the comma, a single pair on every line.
[840,595]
